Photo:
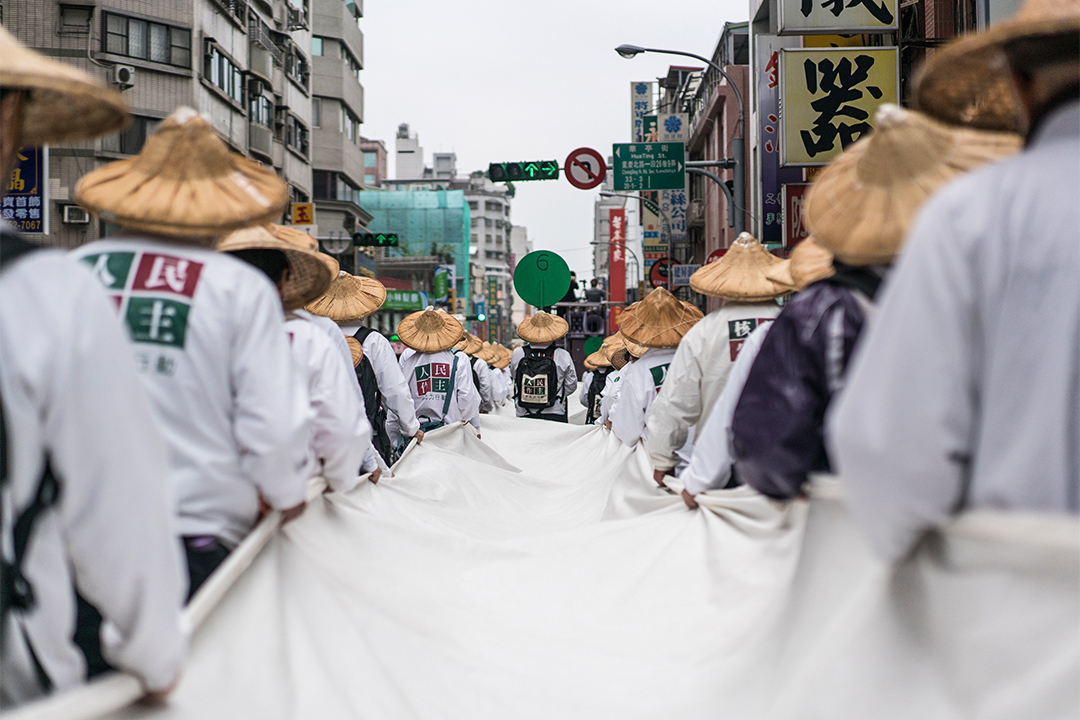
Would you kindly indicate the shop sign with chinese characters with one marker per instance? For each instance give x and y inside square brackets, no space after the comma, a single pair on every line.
[806,17]
[795,229]
[26,204]
[641,104]
[829,97]
[617,255]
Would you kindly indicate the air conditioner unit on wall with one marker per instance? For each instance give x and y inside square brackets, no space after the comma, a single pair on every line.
[124,76]
[75,215]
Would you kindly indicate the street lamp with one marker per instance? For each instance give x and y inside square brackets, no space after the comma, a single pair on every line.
[738,148]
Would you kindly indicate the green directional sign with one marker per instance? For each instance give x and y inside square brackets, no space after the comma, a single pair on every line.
[650,166]
[530,170]
[375,239]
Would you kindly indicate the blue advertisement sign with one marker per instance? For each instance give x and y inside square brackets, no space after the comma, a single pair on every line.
[26,205]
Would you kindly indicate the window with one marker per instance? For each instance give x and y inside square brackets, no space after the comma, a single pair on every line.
[370,179]
[488,222]
[296,66]
[261,111]
[316,112]
[371,160]
[348,124]
[296,135]
[488,238]
[474,237]
[473,205]
[351,62]
[493,206]
[136,38]
[131,140]
[328,185]
[499,223]
[75,19]
[498,239]
[316,47]
[223,73]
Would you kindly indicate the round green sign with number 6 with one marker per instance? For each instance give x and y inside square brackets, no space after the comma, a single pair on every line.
[541,278]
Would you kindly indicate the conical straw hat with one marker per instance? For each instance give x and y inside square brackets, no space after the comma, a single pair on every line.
[588,363]
[620,358]
[487,353]
[185,183]
[64,104]
[356,349]
[469,343]
[780,273]
[309,277]
[542,328]
[740,274]
[301,238]
[968,82]
[636,350]
[429,331]
[809,263]
[349,298]
[600,358]
[659,321]
[503,357]
[861,206]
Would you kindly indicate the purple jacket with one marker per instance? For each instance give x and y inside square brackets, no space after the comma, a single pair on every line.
[779,420]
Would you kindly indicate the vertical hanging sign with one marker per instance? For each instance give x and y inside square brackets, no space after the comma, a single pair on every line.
[26,204]
[641,94]
[617,257]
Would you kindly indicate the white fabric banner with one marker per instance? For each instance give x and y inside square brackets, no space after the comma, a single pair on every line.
[539,573]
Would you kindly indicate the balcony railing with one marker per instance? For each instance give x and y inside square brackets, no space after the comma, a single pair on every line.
[259,32]
[237,9]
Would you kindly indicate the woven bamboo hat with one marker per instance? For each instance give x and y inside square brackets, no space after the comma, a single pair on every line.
[63,103]
[469,343]
[488,353]
[309,277]
[636,350]
[780,273]
[301,238]
[620,358]
[356,349]
[861,206]
[542,328]
[349,298]
[659,321]
[968,82]
[185,183]
[429,331]
[601,358]
[504,357]
[740,274]
[809,263]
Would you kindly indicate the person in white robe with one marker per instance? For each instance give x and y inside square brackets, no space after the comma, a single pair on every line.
[208,334]
[439,380]
[72,410]
[707,353]
[966,392]
[540,331]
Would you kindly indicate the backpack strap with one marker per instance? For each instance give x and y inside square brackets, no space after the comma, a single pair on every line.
[450,390]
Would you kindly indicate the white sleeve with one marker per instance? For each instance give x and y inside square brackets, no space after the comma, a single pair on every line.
[900,433]
[371,460]
[465,395]
[483,374]
[116,501]
[341,434]
[271,437]
[607,399]
[586,381]
[391,381]
[676,407]
[710,466]
[628,415]
[569,374]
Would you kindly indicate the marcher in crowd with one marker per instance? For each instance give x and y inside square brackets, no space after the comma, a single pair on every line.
[440,381]
[710,466]
[544,375]
[701,365]
[340,435]
[658,323]
[387,400]
[486,385]
[593,382]
[966,391]
[83,466]
[620,358]
[207,329]
[859,209]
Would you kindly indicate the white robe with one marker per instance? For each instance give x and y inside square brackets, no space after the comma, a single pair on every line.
[487,385]
[428,375]
[641,382]
[697,376]
[208,335]
[71,390]
[965,393]
[566,378]
[610,395]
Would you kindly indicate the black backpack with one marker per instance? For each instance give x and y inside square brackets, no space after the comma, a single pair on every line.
[373,402]
[595,394]
[15,590]
[536,383]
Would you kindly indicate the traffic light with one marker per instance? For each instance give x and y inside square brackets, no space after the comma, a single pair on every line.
[530,170]
[481,317]
[375,239]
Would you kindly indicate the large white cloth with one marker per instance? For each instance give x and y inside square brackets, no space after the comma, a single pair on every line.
[209,340]
[340,437]
[642,380]
[698,374]
[540,573]
[966,391]
[71,395]
[713,456]
[566,377]
[429,378]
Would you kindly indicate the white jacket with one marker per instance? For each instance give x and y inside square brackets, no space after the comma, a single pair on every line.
[566,380]
[641,381]
[340,437]
[429,377]
[583,393]
[710,465]
[698,374]
[965,389]
[388,376]
[610,396]
[487,385]
[71,392]
[208,335]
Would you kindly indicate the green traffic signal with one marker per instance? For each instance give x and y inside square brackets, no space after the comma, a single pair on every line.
[375,239]
[533,170]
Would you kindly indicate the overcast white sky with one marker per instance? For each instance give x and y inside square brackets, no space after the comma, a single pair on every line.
[506,80]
